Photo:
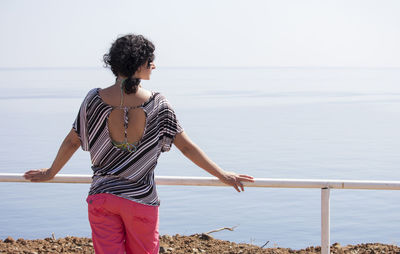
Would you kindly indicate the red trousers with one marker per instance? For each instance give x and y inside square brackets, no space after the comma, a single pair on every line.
[122,226]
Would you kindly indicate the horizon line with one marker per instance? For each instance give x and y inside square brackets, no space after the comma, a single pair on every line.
[14,68]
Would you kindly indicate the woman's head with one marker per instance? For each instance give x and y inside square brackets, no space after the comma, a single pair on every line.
[131,56]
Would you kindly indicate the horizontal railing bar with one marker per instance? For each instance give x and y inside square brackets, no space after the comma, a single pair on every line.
[213,181]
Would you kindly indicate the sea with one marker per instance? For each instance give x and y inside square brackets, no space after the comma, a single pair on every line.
[267,122]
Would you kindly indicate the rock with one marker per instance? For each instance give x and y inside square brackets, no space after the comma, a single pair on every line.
[9,240]
[21,241]
[168,237]
[340,251]
[336,245]
[48,239]
[61,241]
[205,237]
[162,249]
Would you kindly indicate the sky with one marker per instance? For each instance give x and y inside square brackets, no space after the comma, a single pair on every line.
[207,33]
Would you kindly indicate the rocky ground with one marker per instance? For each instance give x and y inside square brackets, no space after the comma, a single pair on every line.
[199,243]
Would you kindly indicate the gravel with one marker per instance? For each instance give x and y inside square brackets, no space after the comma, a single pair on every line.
[198,243]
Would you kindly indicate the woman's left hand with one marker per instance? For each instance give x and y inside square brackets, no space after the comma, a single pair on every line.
[39,175]
[235,180]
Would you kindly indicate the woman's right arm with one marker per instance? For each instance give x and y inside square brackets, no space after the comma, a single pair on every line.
[197,156]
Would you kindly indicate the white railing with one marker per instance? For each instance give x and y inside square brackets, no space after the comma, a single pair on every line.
[324,185]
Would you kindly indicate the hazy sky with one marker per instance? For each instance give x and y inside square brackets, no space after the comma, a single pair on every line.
[204,33]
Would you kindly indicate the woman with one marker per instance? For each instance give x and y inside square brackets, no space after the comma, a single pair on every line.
[125,128]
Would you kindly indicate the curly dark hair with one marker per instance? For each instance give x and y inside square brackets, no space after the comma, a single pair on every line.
[126,55]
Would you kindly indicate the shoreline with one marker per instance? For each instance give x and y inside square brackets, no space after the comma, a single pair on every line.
[197,243]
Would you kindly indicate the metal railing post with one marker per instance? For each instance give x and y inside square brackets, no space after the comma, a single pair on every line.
[325,220]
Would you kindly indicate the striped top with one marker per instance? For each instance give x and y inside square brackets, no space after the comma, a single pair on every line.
[116,171]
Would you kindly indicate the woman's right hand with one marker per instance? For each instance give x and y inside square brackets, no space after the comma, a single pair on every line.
[235,180]
[39,175]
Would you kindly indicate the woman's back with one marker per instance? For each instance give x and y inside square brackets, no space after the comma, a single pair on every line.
[125,172]
[136,117]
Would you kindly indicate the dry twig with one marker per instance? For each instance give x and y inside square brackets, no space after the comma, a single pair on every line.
[220,229]
[264,244]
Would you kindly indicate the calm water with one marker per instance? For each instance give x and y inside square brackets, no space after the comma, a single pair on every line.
[273,122]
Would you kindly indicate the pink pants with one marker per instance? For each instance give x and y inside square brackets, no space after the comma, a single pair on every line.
[120,225]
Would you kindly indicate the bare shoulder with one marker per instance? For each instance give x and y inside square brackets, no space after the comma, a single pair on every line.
[105,92]
[145,93]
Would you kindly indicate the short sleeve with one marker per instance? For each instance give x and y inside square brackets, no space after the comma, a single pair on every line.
[170,125]
[80,124]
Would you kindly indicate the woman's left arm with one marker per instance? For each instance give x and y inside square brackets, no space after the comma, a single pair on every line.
[69,146]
